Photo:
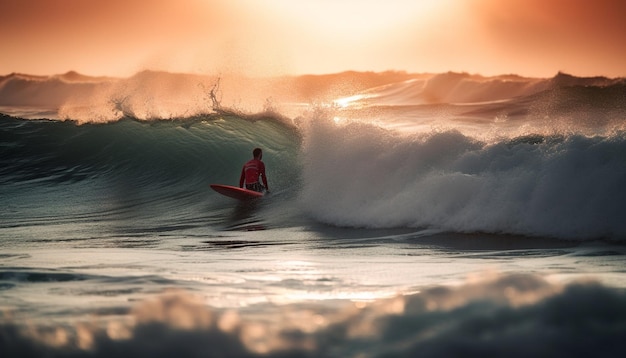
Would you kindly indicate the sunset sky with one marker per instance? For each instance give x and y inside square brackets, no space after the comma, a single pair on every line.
[273,37]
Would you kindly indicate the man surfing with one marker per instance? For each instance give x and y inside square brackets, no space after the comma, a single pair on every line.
[252,171]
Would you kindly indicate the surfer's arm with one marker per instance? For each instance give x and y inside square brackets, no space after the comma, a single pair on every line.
[264,178]
[242,178]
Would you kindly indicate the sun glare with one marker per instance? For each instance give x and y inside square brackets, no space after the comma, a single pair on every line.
[353,19]
[347,101]
[277,37]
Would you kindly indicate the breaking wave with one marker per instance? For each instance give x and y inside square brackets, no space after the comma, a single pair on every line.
[457,152]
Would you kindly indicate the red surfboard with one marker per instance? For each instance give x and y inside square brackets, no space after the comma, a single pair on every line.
[236,192]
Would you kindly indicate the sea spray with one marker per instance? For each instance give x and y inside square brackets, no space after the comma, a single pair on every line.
[361,175]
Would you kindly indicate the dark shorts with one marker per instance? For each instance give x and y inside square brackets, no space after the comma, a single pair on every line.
[255,186]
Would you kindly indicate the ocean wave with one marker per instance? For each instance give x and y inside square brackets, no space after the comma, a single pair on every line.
[352,174]
[463,88]
[197,148]
[457,152]
[565,186]
[131,176]
[151,95]
[514,315]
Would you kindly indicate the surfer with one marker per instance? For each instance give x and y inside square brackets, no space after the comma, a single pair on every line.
[252,171]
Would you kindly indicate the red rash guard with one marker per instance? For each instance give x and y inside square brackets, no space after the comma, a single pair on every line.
[251,172]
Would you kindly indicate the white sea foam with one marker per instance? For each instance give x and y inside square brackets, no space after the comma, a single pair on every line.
[568,186]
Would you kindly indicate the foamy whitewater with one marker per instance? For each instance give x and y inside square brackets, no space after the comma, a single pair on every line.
[411,215]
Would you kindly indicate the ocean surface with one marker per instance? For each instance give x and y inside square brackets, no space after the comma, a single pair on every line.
[411,215]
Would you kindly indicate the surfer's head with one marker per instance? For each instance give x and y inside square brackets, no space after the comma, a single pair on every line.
[257,153]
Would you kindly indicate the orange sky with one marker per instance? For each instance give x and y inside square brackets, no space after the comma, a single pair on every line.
[272,37]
